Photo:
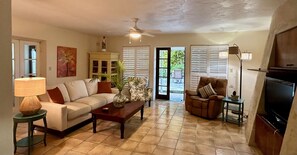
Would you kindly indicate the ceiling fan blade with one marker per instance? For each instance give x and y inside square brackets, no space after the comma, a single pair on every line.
[153,31]
[147,34]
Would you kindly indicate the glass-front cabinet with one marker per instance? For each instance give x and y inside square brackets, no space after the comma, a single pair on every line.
[103,65]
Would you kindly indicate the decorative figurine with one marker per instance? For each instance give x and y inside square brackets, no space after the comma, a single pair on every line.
[104,44]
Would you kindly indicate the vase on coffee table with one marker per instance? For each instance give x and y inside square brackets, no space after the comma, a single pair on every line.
[119,100]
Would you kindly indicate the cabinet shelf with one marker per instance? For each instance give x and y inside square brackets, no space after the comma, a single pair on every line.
[103,65]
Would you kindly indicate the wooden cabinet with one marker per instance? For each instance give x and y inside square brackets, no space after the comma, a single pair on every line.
[267,137]
[103,65]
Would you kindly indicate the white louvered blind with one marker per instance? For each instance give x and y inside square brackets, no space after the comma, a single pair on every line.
[136,61]
[205,62]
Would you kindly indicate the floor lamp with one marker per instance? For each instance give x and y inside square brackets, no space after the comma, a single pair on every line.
[242,56]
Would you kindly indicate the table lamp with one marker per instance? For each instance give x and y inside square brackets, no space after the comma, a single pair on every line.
[29,88]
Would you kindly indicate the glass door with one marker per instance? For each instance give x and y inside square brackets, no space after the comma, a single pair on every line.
[163,73]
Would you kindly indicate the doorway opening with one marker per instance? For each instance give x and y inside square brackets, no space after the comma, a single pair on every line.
[170,67]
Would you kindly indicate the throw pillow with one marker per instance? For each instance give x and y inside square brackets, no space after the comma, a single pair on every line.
[207,91]
[56,95]
[104,87]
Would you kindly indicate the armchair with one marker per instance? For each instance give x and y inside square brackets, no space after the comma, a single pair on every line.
[137,89]
[207,107]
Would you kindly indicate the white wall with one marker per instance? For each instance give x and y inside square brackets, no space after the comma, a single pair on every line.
[251,41]
[51,37]
[6,142]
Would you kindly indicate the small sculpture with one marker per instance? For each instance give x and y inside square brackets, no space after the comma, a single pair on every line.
[103,44]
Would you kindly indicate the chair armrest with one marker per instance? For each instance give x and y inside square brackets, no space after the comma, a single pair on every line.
[56,116]
[216,97]
[114,90]
[191,92]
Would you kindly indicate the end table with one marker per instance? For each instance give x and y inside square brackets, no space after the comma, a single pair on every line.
[239,111]
[31,139]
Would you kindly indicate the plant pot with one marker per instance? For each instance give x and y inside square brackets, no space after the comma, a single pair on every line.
[119,100]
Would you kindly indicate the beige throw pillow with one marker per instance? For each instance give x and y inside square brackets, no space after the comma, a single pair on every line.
[207,91]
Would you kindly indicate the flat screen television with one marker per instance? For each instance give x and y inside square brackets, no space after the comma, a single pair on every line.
[279,96]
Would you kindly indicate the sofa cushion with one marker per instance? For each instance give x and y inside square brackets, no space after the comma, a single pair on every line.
[206,91]
[108,96]
[76,89]
[56,95]
[91,86]
[94,102]
[63,90]
[75,109]
[104,87]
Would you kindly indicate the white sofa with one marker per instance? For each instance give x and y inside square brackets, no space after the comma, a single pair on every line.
[80,98]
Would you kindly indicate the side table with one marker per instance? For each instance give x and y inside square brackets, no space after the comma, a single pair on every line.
[239,111]
[31,139]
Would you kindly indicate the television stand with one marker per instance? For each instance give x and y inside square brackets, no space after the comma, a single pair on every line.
[267,137]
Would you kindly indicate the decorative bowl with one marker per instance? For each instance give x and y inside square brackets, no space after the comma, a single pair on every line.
[234,97]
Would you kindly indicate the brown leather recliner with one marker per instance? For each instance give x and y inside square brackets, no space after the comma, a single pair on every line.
[209,107]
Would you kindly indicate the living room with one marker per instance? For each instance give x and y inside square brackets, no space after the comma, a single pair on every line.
[51,36]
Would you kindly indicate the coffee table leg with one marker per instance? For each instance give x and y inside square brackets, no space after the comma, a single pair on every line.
[141,113]
[122,130]
[94,123]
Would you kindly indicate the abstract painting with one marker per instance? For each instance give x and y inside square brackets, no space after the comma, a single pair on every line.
[66,61]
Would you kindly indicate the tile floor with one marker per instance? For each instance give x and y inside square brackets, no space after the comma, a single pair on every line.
[167,129]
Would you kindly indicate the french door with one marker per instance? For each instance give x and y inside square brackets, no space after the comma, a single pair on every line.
[25,55]
[163,73]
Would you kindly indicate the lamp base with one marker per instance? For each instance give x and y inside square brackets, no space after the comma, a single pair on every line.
[30,106]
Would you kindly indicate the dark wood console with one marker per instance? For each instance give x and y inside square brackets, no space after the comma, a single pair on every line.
[267,137]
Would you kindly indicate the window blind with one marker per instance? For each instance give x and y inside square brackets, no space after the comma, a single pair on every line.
[205,61]
[136,61]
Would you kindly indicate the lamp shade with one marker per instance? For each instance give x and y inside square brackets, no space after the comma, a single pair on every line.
[29,86]
[233,50]
[246,56]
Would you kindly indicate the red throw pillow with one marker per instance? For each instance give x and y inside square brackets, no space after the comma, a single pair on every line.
[104,87]
[56,95]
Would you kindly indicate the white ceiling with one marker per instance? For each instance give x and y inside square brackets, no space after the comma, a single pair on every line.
[113,17]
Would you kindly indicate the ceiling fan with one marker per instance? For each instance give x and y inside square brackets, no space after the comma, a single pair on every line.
[135,32]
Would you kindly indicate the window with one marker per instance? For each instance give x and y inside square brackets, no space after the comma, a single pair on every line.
[136,61]
[205,62]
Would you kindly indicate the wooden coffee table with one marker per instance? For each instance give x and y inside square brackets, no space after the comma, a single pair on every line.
[117,114]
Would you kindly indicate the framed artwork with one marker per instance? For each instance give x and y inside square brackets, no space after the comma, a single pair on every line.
[66,61]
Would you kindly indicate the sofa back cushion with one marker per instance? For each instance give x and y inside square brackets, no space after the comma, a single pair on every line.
[63,90]
[76,89]
[219,85]
[91,86]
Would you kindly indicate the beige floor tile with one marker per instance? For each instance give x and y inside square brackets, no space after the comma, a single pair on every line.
[113,140]
[175,128]
[96,138]
[223,143]
[41,149]
[82,135]
[244,153]
[244,148]
[74,153]
[85,147]
[54,140]
[180,152]
[187,137]
[205,141]
[149,139]
[137,137]
[206,150]
[70,143]
[101,149]
[129,145]
[161,126]
[225,152]
[186,146]
[163,151]
[171,134]
[145,148]
[166,142]
[156,132]
[118,151]
[57,151]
